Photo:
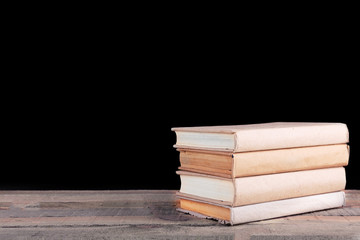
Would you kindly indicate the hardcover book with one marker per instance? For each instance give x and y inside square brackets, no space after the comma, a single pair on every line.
[262,211]
[233,165]
[253,137]
[262,188]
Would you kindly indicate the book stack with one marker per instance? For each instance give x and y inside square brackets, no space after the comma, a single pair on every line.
[244,173]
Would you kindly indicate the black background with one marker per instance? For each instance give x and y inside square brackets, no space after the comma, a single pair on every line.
[89,103]
[128,144]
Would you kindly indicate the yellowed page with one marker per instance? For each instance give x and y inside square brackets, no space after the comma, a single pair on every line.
[215,211]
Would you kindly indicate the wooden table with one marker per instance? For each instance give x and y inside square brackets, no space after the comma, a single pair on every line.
[152,215]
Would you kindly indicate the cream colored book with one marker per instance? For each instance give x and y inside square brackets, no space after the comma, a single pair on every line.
[242,164]
[265,136]
[262,188]
[262,211]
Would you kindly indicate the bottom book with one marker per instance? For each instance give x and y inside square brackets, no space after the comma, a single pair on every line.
[262,211]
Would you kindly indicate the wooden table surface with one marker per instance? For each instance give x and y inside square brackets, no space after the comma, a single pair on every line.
[141,214]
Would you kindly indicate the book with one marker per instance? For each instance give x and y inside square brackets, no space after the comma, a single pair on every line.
[233,165]
[262,211]
[262,188]
[265,136]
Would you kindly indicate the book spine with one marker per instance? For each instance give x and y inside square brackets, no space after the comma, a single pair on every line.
[291,159]
[263,188]
[286,207]
[275,138]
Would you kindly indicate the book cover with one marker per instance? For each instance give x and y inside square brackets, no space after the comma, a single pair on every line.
[253,137]
[262,188]
[233,165]
[262,211]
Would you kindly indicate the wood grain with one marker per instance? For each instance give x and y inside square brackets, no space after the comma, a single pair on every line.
[153,214]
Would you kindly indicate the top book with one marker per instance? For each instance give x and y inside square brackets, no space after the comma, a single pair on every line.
[264,136]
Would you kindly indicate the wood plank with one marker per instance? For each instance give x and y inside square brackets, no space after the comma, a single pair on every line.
[152,214]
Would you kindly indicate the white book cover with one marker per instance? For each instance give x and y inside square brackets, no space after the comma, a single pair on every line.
[253,137]
[263,211]
[263,188]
